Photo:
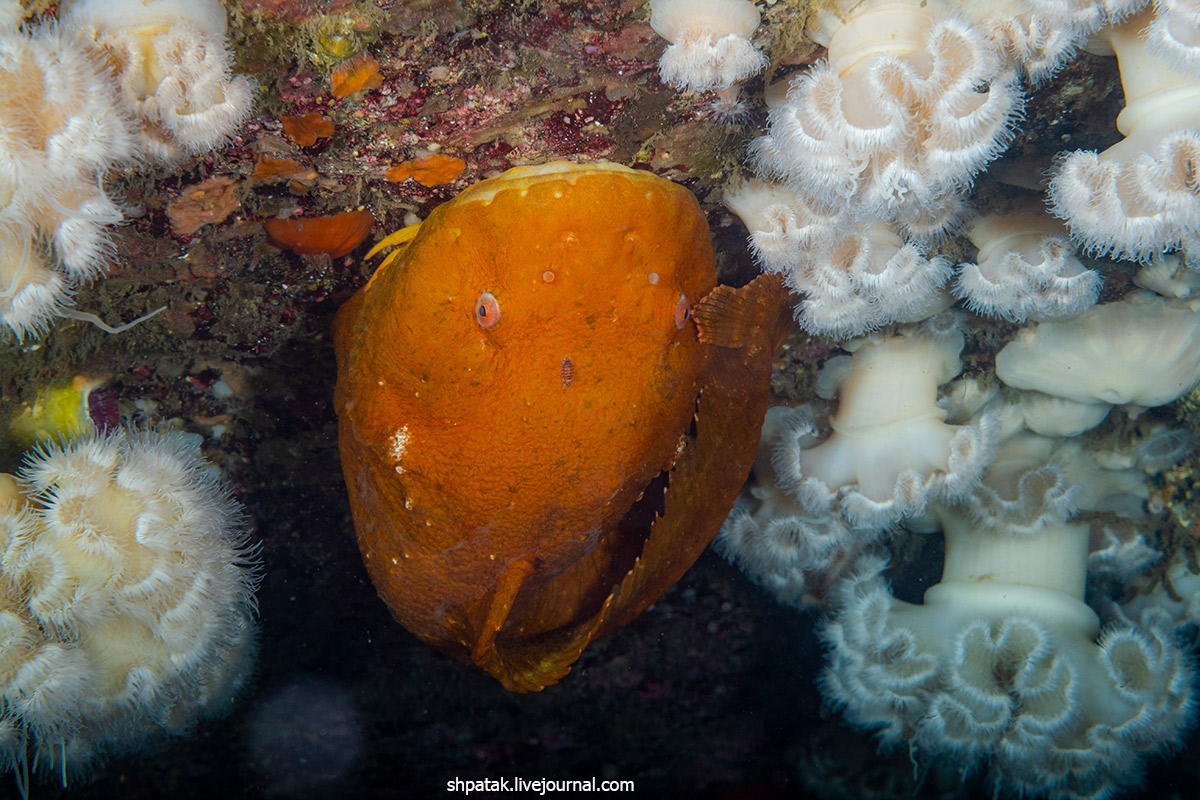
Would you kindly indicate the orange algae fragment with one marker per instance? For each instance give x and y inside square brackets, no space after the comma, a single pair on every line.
[429,171]
[358,73]
[300,178]
[268,168]
[306,129]
[336,235]
[212,201]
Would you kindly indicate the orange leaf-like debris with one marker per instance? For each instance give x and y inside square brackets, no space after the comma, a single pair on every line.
[306,129]
[336,235]
[209,201]
[359,73]
[429,171]
[268,169]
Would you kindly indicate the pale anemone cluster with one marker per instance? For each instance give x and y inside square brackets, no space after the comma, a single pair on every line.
[819,499]
[1019,664]
[868,156]
[852,279]
[1004,666]
[871,151]
[1026,664]
[910,103]
[112,83]
[60,133]
[126,598]
[172,69]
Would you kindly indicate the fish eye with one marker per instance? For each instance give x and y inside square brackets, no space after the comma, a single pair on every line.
[487,310]
[682,311]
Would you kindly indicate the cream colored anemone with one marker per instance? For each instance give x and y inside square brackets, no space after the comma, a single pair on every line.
[171,63]
[852,278]
[1048,415]
[1026,269]
[710,42]
[1042,35]
[1172,34]
[891,452]
[31,291]
[126,598]
[1170,276]
[795,553]
[60,132]
[782,225]
[1138,198]
[1142,351]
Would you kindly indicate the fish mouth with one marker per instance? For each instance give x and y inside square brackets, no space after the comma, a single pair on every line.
[637,524]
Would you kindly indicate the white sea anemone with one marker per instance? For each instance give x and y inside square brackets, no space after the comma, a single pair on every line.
[172,68]
[65,123]
[1004,667]
[1141,351]
[1042,35]
[1172,34]
[1026,269]
[1138,198]
[60,133]
[852,278]
[1170,276]
[794,552]
[134,616]
[710,42]
[890,453]
[31,292]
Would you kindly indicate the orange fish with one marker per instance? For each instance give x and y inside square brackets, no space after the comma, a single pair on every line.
[546,409]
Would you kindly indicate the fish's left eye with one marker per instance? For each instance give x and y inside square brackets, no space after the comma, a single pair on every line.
[487,310]
[682,311]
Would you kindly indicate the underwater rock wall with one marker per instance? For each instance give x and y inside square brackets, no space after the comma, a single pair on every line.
[390,108]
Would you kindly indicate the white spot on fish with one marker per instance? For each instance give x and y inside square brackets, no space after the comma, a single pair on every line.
[397,445]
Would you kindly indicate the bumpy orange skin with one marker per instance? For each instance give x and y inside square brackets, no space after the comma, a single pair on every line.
[491,470]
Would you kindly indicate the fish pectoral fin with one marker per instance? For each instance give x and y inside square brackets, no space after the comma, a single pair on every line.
[504,594]
[729,317]
[399,239]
